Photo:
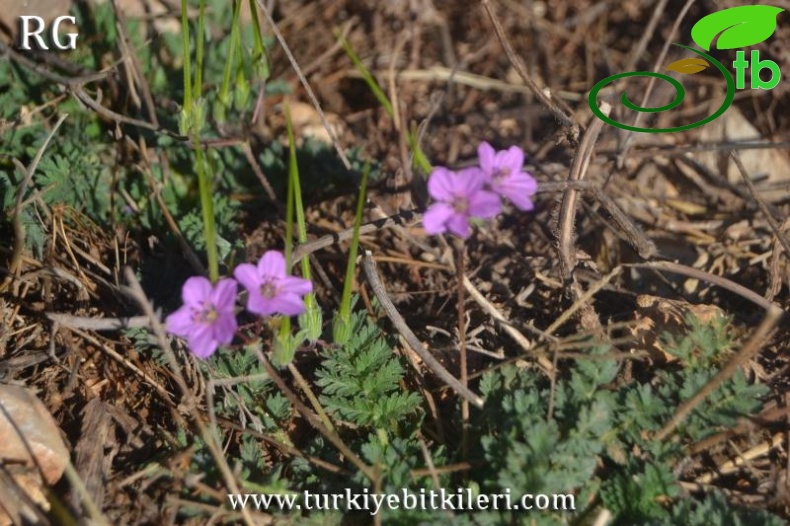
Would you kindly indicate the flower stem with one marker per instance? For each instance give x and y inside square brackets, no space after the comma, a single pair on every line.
[207,206]
[187,58]
[310,320]
[305,386]
[295,191]
[285,327]
[193,118]
[460,248]
[201,35]
[224,92]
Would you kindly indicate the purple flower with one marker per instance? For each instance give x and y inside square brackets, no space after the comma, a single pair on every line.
[271,290]
[206,319]
[460,196]
[506,175]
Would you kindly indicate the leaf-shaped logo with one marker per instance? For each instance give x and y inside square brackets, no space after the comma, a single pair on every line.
[738,26]
[689,66]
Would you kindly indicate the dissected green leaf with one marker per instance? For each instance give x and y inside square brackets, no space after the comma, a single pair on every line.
[738,26]
[360,380]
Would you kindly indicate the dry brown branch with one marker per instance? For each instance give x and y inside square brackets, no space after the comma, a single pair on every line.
[701,275]
[563,115]
[99,324]
[730,466]
[400,325]
[306,85]
[567,215]
[328,240]
[509,329]
[761,203]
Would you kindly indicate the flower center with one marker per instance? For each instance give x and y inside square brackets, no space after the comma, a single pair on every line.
[206,316]
[268,290]
[501,173]
[460,204]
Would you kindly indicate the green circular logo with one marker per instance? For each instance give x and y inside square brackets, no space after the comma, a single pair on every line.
[680,93]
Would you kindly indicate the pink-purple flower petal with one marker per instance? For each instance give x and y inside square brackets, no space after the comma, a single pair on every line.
[459,197]
[206,319]
[247,275]
[257,304]
[469,180]
[519,188]
[484,204]
[196,290]
[181,321]
[296,285]
[441,184]
[487,157]
[506,175]
[434,220]
[201,342]
[224,328]
[272,263]
[289,304]
[224,294]
[511,160]
[270,290]
[458,224]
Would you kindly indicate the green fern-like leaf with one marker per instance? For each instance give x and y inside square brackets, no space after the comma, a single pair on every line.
[714,510]
[360,381]
[640,494]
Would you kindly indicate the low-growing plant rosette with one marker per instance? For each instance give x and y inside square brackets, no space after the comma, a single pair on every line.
[207,318]
[477,192]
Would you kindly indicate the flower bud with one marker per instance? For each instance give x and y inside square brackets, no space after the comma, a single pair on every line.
[285,346]
[311,319]
[341,330]
[184,122]
[241,92]
[198,115]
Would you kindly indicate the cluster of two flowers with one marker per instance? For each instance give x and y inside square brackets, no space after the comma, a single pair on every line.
[478,191]
[207,318]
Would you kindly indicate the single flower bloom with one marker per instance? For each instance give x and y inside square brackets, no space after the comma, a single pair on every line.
[271,290]
[506,175]
[206,319]
[459,195]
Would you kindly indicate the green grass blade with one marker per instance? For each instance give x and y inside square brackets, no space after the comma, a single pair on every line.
[342,322]
[371,82]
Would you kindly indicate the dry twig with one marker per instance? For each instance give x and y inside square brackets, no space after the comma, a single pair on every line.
[761,203]
[544,95]
[400,325]
[190,400]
